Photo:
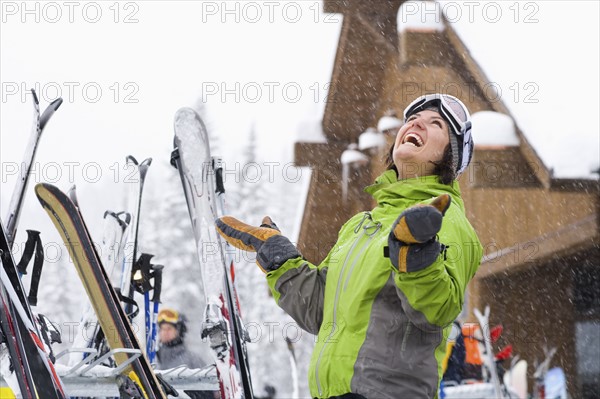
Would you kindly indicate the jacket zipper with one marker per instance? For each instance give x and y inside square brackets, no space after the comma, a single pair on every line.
[367,215]
[377,226]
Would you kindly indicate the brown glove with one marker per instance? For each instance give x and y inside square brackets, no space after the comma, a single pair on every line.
[272,249]
[412,241]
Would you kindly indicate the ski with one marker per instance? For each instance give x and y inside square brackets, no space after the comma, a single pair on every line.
[134,201]
[135,190]
[111,252]
[217,166]
[34,371]
[241,332]
[191,156]
[539,375]
[18,325]
[22,379]
[489,358]
[16,202]
[127,352]
[116,226]
[293,367]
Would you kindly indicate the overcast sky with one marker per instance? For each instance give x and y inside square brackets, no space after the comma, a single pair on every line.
[124,68]
[124,76]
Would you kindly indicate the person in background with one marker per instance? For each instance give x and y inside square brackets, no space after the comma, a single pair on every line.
[172,350]
[454,362]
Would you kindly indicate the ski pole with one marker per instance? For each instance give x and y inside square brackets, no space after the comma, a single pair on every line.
[141,284]
[31,245]
[158,269]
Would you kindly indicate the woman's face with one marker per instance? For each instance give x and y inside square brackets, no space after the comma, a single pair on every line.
[420,142]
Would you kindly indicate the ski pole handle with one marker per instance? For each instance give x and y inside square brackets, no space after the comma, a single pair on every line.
[157,271]
[32,237]
[36,275]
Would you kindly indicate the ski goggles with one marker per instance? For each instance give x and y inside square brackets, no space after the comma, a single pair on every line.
[449,106]
[168,316]
[458,117]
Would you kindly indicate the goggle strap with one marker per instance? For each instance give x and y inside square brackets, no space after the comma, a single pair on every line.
[467,153]
[455,152]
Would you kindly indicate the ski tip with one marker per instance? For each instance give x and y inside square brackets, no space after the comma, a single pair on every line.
[186,114]
[40,187]
[37,189]
[185,111]
[72,194]
[49,111]
[131,158]
[123,223]
[124,217]
[56,103]
[43,190]
[51,196]
[35,97]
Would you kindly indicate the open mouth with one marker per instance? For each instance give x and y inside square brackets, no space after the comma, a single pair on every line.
[413,139]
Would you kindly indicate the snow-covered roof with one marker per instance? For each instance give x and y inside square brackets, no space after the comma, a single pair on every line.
[371,139]
[420,16]
[353,156]
[388,122]
[494,129]
[310,130]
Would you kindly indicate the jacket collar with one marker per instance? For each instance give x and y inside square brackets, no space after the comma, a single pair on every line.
[389,190]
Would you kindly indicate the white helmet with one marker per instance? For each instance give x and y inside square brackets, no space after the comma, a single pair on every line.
[458,118]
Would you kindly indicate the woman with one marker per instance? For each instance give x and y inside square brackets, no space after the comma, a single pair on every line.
[383,301]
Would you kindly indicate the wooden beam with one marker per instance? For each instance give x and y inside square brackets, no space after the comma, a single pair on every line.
[561,242]
[316,154]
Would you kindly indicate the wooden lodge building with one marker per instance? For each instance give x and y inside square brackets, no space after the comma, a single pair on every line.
[541,270]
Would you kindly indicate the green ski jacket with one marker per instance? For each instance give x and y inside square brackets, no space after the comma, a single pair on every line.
[381,333]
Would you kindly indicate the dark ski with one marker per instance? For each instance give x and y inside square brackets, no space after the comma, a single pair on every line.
[128,354]
[34,370]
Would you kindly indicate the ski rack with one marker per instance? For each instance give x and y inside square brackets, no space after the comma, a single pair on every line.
[113,371]
[89,378]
